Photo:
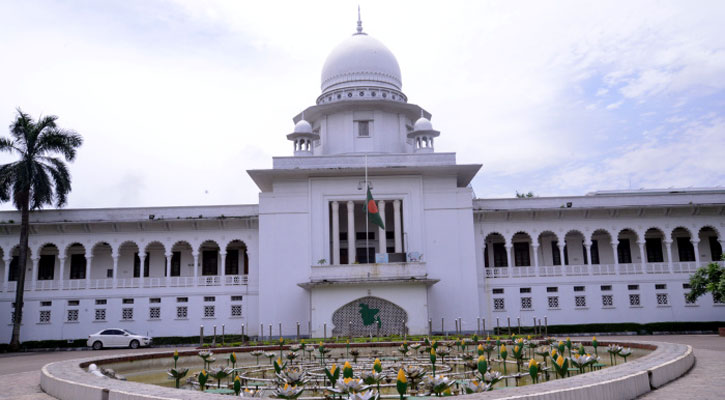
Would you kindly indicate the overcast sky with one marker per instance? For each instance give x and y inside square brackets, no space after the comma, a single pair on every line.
[176,99]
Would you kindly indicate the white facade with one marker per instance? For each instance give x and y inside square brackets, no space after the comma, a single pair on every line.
[307,249]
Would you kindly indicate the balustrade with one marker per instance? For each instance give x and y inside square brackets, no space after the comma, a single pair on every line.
[592,270]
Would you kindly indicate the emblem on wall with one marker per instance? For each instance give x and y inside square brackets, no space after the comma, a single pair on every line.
[369,316]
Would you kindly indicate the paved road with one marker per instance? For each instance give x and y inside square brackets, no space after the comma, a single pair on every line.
[19,376]
[20,379]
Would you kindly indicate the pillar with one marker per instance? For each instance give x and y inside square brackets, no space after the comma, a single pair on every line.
[397,226]
[561,253]
[61,260]
[223,272]
[588,249]
[508,254]
[535,250]
[695,244]
[351,232]
[142,267]
[642,253]
[115,269]
[195,254]
[34,278]
[335,233]
[615,244]
[7,272]
[668,246]
[89,260]
[382,241]
[167,267]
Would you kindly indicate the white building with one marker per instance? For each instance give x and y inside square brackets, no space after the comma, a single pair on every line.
[307,255]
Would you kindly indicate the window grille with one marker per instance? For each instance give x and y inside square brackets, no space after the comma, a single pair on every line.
[498,304]
[45,303]
[127,301]
[607,300]
[100,314]
[525,290]
[580,301]
[236,298]
[127,314]
[693,302]
[634,300]
[526,303]
[44,317]
[209,298]
[182,312]
[662,299]
[498,291]
[208,311]
[632,287]
[552,289]
[72,315]
[182,299]
[155,313]
[660,286]
[236,310]
[73,303]
[553,301]
[100,302]
[155,300]
[606,288]
[717,300]
[579,288]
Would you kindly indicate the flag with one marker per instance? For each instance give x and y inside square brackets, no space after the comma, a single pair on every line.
[372,210]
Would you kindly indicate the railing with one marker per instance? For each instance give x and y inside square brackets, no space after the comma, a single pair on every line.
[129,283]
[595,269]
[350,272]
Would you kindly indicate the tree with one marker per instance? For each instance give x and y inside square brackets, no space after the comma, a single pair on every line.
[524,195]
[710,278]
[36,179]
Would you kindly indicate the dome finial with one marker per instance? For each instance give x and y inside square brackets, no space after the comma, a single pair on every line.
[359,21]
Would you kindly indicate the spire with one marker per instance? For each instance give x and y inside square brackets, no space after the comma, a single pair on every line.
[359,22]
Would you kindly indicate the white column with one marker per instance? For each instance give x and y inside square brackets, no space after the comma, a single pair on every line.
[561,253]
[642,254]
[89,260]
[196,267]
[615,244]
[398,228]
[335,233]
[168,267]
[508,254]
[535,250]
[588,249]
[382,241]
[142,266]
[223,271]
[695,244]
[7,272]
[668,246]
[34,278]
[350,232]
[115,270]
[61,260]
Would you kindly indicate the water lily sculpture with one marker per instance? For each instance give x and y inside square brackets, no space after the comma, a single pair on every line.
[561,365]
[219,374]
[279,365]
[474,386]
[350,385]
[288,392]
[256,354]
[624,353]
[534,370]
[438,384]
[291,356]
[366,395]
[401,383]
[206,356]
[333,374]
[492,377]
[414,374]
[178,374]
[292,376]
[203,377]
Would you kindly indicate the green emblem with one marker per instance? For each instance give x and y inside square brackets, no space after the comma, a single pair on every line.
[369,315]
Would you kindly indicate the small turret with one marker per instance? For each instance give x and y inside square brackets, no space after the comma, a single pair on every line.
[423,134]
[303,138]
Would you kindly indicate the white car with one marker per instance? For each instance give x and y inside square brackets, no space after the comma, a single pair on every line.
[116,337]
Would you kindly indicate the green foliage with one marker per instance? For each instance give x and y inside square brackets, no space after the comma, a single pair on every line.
[524,195]
[710,278]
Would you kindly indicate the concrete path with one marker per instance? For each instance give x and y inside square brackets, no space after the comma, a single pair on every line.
[20,379]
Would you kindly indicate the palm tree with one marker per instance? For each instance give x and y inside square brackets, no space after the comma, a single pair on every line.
[37,179]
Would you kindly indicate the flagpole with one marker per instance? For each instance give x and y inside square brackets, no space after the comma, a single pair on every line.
[367,211]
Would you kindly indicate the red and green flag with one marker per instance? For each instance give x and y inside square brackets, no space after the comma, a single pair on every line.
[373,212]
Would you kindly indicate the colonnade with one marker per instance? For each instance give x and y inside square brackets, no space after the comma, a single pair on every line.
[351,239]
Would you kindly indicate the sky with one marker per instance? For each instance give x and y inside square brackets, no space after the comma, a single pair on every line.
[176,99]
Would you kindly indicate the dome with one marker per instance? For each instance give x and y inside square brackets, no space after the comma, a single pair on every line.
[361,60]
[303,127]
[423,124]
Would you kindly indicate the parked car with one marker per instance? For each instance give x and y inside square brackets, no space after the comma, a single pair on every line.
[116,337]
